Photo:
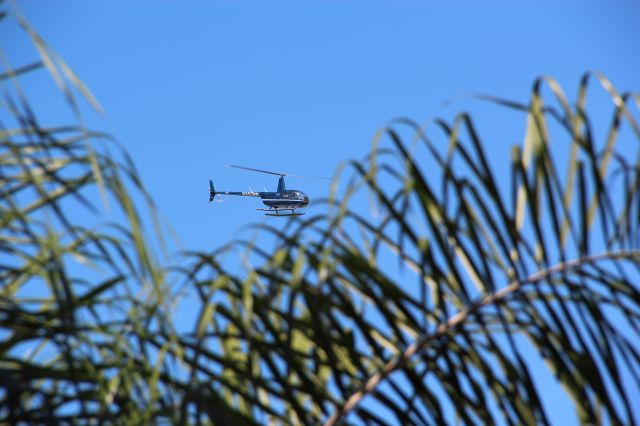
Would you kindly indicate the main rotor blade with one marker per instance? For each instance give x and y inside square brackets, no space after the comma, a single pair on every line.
[256,170]
[278,174]
[310,177]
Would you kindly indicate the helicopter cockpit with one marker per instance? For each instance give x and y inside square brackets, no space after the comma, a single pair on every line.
[299,195]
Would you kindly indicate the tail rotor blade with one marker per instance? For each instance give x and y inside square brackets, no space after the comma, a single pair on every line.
[212,191]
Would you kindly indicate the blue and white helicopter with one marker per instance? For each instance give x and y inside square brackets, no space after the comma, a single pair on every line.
[282,202]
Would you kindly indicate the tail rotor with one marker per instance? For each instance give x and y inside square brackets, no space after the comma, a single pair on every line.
[212,191]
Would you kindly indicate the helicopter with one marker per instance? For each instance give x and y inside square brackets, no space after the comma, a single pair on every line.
[282,202]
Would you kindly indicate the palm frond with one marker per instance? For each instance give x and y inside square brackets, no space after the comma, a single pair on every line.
[483,275]
[497,262]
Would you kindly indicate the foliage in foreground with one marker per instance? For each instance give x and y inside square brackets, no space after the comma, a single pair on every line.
[440,306]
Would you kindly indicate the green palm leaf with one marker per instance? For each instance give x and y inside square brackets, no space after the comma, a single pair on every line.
[465,289]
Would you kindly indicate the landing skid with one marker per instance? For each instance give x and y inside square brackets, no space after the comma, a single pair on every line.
[293,213]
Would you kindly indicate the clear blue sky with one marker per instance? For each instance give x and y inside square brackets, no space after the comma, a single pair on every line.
[299,87]
[190,86]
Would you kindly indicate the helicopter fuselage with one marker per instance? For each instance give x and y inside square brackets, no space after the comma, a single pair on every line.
[282,199]
[290,199]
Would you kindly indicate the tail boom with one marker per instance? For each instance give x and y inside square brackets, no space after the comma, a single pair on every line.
[213,192]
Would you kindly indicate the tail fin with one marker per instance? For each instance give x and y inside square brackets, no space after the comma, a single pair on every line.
[212,191]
